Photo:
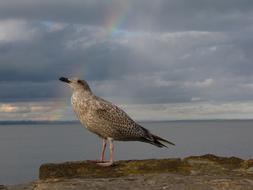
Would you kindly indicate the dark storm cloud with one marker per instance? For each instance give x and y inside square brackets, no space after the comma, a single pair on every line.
[30,67]
[152,68]
[165,51]
[141,14]
[27,91]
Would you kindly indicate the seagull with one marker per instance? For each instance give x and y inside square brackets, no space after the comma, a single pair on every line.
[107,120]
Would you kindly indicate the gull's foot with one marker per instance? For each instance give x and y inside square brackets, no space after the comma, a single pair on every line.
[101,163]
[105,163]
[96,161]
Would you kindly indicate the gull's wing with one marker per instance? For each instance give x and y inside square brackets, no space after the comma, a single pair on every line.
[118,122]
[115,118]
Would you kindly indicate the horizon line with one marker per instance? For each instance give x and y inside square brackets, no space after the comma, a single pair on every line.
[6,122]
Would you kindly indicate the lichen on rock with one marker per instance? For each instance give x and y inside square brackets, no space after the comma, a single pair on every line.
[195,172]
[87,169]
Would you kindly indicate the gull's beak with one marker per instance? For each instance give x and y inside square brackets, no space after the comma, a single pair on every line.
[63,79]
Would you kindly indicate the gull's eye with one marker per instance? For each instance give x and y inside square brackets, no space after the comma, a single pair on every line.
[79,81]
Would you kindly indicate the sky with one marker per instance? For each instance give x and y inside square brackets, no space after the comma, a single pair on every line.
[158,60]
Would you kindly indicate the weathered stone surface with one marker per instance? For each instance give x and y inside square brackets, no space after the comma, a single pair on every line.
[151,182]
[2,187]
[166,181]
[248,166]
[214,165]
[30,186]
[208,172]
[121,168]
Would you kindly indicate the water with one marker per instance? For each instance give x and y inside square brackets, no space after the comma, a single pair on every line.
[23,148]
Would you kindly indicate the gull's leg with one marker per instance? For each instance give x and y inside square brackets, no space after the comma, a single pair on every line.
[111,150]
[102,157]
[110,162]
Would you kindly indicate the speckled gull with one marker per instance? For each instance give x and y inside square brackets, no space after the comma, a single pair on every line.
[107,120]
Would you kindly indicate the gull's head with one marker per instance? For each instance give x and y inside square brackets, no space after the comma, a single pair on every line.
[76,84]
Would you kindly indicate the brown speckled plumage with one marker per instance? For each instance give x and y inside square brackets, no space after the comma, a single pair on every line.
[106,119]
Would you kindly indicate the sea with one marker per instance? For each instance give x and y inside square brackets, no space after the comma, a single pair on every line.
[24,147]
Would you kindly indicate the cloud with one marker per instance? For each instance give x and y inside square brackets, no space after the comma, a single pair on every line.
[151,60]
[55,110]
[140,14]
[12,30]
[35,111]
[7,108]
[196,110]
[201,84]
[131,52]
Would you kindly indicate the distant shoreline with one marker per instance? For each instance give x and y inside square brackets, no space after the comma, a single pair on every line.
[36,122]
[29,122]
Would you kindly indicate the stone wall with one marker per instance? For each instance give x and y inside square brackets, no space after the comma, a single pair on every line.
[208,172]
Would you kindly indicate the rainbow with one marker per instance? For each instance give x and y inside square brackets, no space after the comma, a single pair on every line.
[112,25]
[112,28]
[116,18]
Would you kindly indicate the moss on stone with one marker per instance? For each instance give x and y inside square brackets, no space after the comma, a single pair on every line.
[121,168]
[227,162]
[194,165]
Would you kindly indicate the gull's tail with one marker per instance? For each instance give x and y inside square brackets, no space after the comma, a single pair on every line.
[155,140]
[158,141]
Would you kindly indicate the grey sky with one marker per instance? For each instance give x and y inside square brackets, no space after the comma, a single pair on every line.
[139,54]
